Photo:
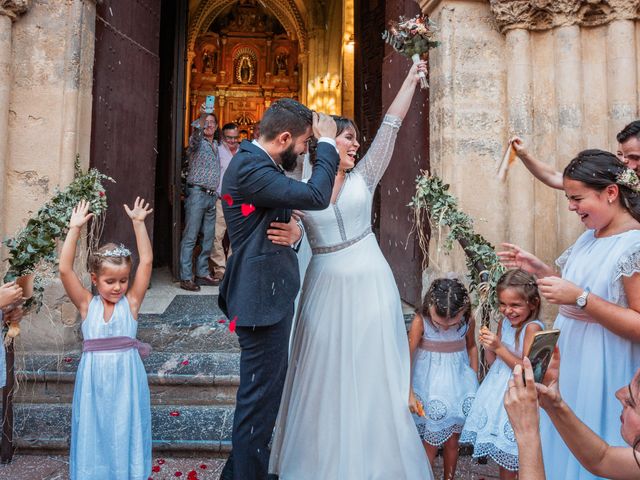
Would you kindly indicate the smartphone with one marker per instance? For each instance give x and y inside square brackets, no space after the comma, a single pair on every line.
[541,351]
[209,103]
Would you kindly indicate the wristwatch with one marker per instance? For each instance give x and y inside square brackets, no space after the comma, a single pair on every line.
[581,301]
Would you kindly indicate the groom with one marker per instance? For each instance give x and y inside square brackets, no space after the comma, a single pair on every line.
[262,280]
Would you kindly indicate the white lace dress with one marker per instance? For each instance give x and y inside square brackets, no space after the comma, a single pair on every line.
[344,412]
[488,426]
[444,382]
[595,362]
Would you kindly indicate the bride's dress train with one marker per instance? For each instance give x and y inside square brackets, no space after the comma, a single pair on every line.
[344,413]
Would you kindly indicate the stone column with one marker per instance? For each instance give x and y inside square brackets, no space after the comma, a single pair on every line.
[467,120]
[569,103]
[10,10]
[622,79]
[77,88]
[520,114]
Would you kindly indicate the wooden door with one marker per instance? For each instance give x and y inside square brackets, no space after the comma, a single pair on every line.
[382,71]
[125,107]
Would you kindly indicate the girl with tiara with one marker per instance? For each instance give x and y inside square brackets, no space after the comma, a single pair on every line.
[445,368]
[111,413]
[487,425]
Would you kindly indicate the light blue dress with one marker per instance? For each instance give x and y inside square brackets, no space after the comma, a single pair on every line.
[488,426]
[111,412]
[595,362]
[445,383]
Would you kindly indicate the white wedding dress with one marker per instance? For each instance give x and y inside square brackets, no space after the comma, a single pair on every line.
[344,412]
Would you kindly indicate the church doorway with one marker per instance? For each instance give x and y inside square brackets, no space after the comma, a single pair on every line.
[156,65]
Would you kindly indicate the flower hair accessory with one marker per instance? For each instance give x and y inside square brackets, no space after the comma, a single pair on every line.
[117,252]
[629,179]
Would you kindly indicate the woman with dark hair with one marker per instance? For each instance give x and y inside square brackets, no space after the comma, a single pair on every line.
[599,297]
[344,412]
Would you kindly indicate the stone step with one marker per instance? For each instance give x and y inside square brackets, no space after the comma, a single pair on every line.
[191,323]
[47,428]
[174,378]
[187,333]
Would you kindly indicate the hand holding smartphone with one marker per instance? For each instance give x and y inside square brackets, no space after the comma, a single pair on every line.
[541,351]
[209,104]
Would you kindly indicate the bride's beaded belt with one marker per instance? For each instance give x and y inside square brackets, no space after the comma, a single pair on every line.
[343,245]
[575,313]
[443,347]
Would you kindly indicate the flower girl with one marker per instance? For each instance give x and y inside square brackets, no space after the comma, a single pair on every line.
[445,365]
[111,414]
[487,425]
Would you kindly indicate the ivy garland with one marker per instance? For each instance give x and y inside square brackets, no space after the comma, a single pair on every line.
[33,249]
[434,206]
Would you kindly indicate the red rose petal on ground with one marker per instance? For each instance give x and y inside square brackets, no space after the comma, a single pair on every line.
[175,413]
[203,466]
[227,198]
[177,474]
[185,362]
[193,475]
[232,324]
[222,320]
[247,209]
[68,359]
[155,468]
[161,461]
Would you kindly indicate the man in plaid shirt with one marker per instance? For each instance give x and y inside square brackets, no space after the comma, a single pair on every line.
[200,202]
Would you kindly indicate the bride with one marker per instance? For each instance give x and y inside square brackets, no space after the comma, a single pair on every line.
[344,412]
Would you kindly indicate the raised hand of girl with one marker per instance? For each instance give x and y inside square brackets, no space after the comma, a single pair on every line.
[80,215]
[139,211]
[558,290]
[489,340]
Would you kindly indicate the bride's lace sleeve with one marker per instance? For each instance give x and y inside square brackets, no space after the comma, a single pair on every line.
[377,159]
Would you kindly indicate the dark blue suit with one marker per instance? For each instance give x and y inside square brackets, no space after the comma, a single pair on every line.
[259,287]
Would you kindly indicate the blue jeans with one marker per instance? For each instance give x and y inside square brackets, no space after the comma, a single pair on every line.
[200,215]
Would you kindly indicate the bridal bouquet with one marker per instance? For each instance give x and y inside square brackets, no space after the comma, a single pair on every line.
[412,38]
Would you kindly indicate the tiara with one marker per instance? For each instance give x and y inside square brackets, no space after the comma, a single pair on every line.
[117,252]
[629,179]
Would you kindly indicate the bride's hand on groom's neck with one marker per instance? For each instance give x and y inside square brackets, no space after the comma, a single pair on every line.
[324,126]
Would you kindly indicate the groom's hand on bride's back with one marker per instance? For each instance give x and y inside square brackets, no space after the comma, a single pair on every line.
[324,126]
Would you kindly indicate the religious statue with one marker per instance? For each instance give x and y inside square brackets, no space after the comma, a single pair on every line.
[206,63]
[245,70]
[282,60]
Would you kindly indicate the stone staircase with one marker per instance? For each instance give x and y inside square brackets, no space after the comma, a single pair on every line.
[193,375]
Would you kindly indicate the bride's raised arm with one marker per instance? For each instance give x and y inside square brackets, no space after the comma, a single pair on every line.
[377,158]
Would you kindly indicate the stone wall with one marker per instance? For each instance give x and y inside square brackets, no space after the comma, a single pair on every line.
[561,74]
[49,49]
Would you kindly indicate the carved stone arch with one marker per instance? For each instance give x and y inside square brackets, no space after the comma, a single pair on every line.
[286,11]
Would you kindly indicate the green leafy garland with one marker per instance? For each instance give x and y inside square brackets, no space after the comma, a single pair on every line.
[433,205]
[33,249]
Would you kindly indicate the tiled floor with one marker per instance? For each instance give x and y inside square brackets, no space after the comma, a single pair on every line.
[163,289]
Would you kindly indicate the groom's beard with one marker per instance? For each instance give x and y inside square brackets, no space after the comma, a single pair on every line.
[289,159]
